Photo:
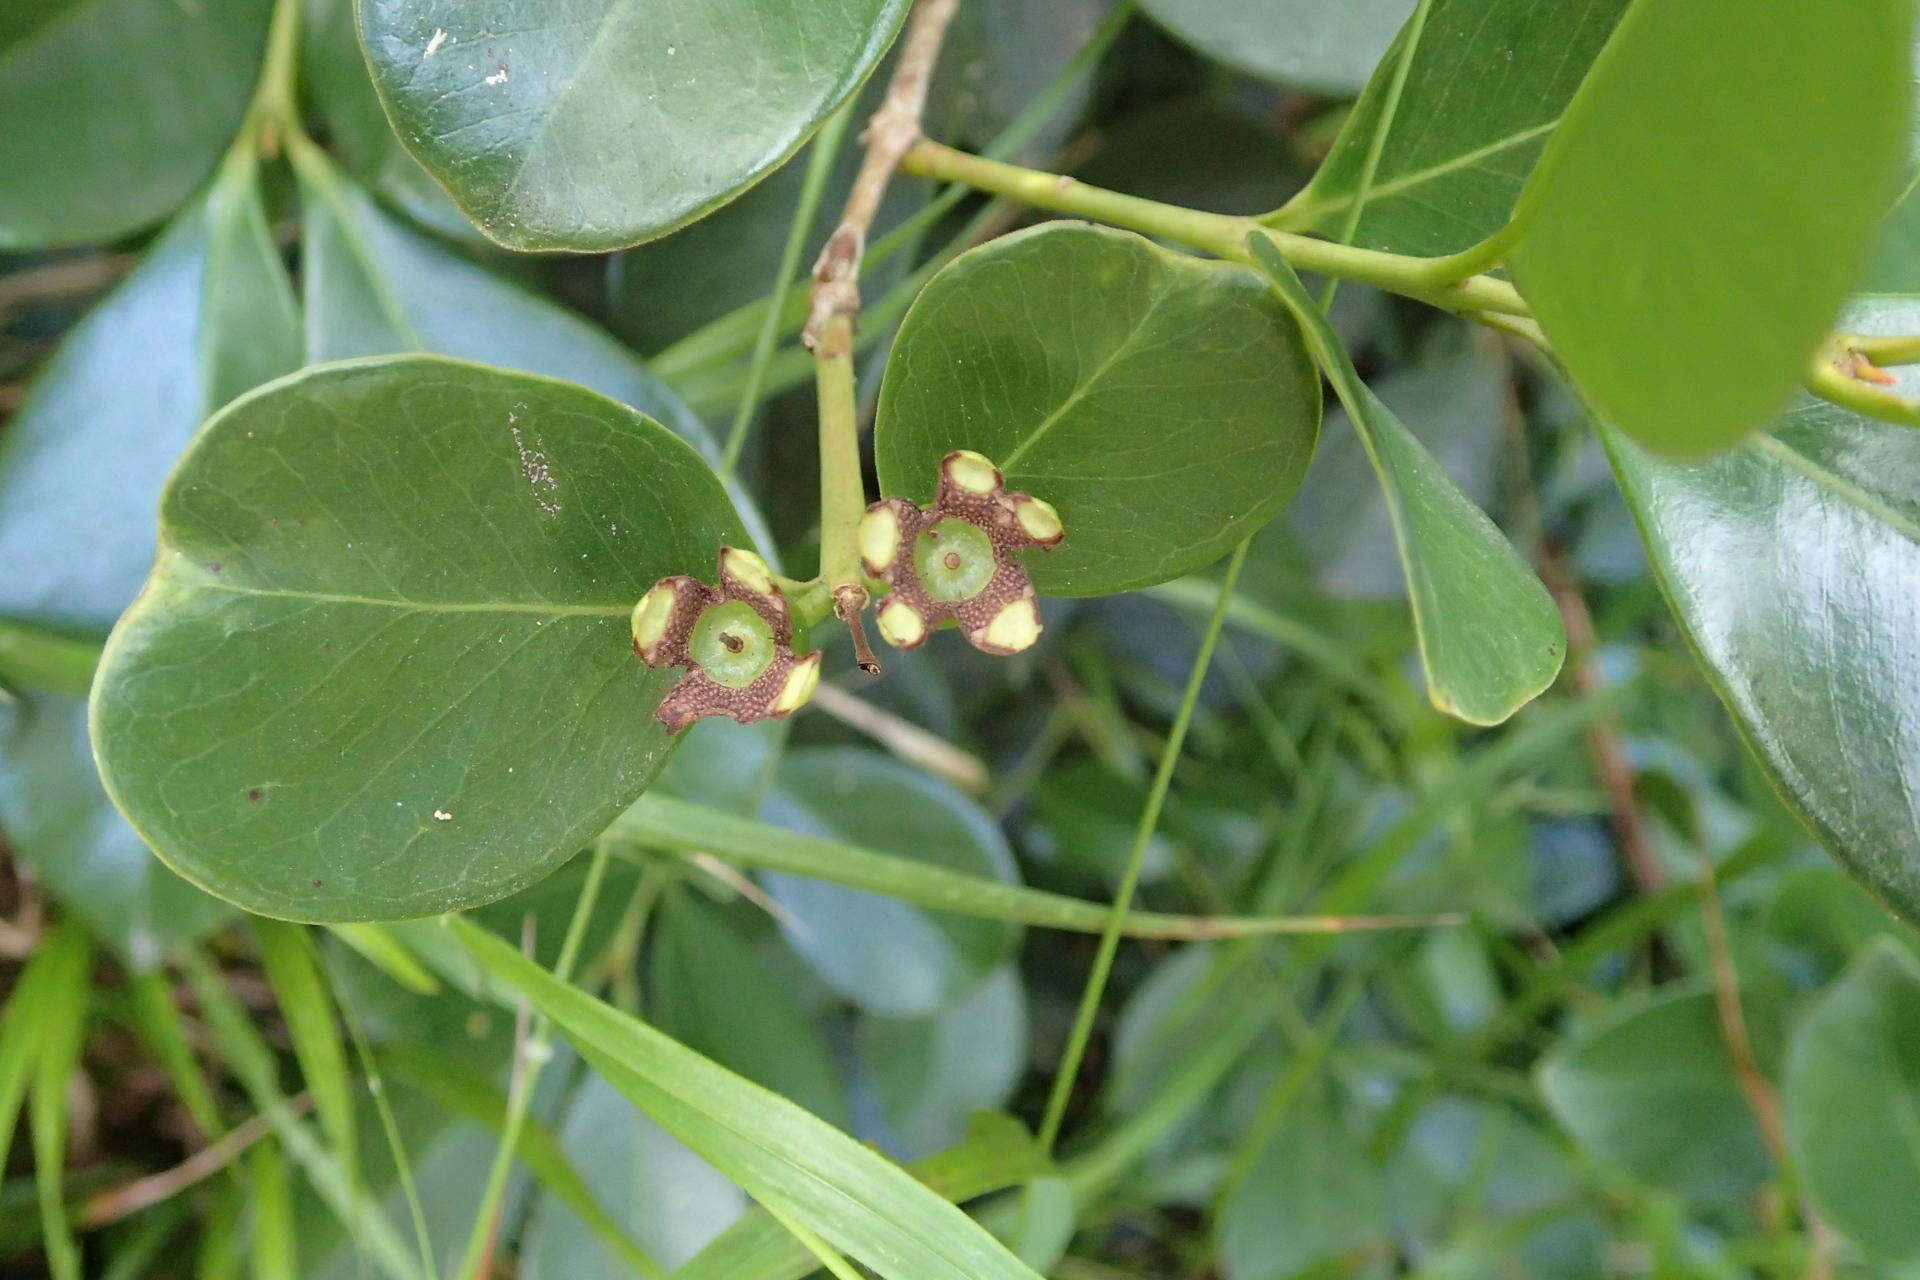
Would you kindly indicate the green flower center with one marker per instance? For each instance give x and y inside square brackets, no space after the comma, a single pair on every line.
[954,560]
[732,644]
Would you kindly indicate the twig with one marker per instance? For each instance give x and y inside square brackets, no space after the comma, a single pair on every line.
[894,129]
[130,1198]
[67,278]
[904,739]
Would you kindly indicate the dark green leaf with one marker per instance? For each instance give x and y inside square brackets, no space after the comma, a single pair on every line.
[116,110]
[206,315]
[858,1201]
[613,122]
[1790,562]
[1652,1091]
[1326,47]
[424,570]
[1487,83]
[930,1075]
[1684,285]
[1852,1092]
[1164,404]
[1490,635]
[1312,1194]
[877,951]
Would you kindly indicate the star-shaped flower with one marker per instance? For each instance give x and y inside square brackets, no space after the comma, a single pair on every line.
[736,643]
[956,560]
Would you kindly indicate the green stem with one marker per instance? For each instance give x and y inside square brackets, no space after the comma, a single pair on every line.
[825,149]
[533,1057]
[1829,383]
[275,109]
[1429,280]
[1901,349]
[1069,1068]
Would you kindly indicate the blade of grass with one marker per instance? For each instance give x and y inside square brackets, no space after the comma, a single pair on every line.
[270,1238]
[662,822]
[21,1028]
[377,945]
[134,1259]
[996,1153]
[855,1199]
[60,1028]
[158,1021]
[301,992]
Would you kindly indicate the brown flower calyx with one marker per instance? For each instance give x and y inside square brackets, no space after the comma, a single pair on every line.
[956,559]
[735,641]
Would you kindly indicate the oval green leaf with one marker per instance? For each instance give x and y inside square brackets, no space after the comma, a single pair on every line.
[1790,562]
[1684,284]
[1328,48]
[1164,404]
[382,668]
[1456,141]
[1852,1088]
[116,110]
[618,120]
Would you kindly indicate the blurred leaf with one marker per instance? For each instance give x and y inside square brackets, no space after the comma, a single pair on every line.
[59,821]
[207,314]
[116,110]
[1652,1091]
[669,1198]
[433,562]
[532,125]
[1852,1096]
[879,952]
[1788,562]
[1197,151]
[1313,1195]
[931,1075]
[1486,85]
[1490,635]
[306,1006]
[1001,55]
[995,1154]
[713,991]
[1329,48]
[1684,287]
[59,1028]
[1164,404]
[1824,919]
[858,1201]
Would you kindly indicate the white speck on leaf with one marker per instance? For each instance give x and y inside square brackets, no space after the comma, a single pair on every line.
[533,465]
[433,45]
[443,815]
[499,75]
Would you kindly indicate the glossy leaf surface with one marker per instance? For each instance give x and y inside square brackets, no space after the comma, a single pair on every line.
[1852,1086]
[857,1200]
[116,110]
[1791,562]
[595,124]
[1666,1059]
[1486,85]
[1328,48]
[207,314]
[383,668]
[1490,636]
[1165,405]
[1683,284]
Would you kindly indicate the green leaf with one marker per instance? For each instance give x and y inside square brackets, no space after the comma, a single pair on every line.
[711,989]
[877,951]
[207,314]
[424,568]
[1852,1093]
[858,1201]
[669,1198]
[1789,562]
[1486,84]
[931,1075]
[116,110]
[1490,636]
[1313,1193]
[1652,1091]
[996,1153]
[1329,48]
[59,821]
[615,122]
[374,286]
[1163,403]
[1684,285]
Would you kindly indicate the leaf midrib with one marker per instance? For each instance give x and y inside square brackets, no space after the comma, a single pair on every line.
[1308,210]
[551,609]
[1839,486]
